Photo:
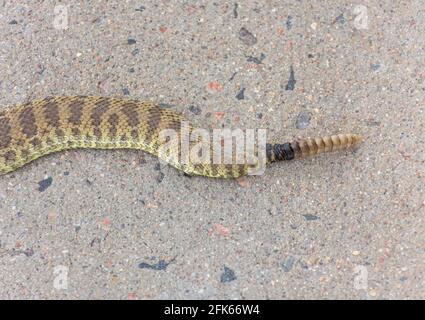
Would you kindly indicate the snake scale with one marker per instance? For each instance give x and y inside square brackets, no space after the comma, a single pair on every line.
[40,127]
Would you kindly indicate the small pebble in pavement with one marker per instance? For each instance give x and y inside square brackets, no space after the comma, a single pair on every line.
[303,120]
[247,37]
[44,184]
[241,94]
[228,275]
[291,81]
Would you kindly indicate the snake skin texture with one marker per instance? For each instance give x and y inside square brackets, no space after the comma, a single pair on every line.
[53,124]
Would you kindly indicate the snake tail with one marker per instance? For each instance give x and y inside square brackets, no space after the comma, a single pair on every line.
[311,146]
[40,127]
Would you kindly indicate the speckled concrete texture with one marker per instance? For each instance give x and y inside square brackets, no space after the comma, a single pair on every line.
[116,224]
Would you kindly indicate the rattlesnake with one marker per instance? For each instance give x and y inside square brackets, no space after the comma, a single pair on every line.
[31,130]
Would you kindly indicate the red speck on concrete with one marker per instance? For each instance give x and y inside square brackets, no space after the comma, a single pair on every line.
[106,224]
[243,182]
[219,115]
[218,229]
[288,46]
[214,86]
[131,296]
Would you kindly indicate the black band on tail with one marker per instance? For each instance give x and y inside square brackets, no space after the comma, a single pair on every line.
[279,152]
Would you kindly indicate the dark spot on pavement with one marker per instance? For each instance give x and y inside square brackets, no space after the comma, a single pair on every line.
[131,41]
[95,240]
[160,265]
[13,22]
[29,252]
[40,69]
[373,122]
[288,263]
[44,184]
[228,275]
[375,66]
[340,19]
[247,37]
[303,120]
[235,10]
[233,76]
[140,9]
[289,23]
[160,177]
[310,217]
[195,110]
[241,94]
[291,82]
[255,59]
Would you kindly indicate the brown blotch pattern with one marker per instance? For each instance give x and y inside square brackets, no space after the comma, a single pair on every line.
[113,124]
[5,130]
[153,121]
[27,122]
[175,125]
[35,142]
[10,156]
[76,112]
[51,113]
[96,132]
[135,134]
[99,110]
[75,132]
[130,111]
[60,133]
